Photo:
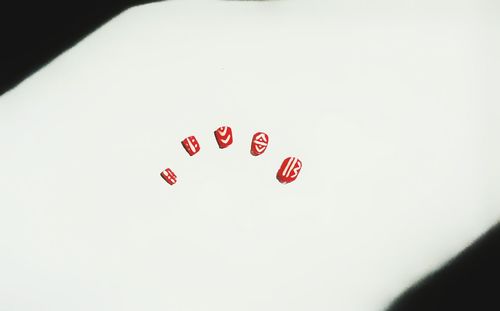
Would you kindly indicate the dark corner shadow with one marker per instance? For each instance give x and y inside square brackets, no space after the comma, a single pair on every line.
[32,33]
[470,281]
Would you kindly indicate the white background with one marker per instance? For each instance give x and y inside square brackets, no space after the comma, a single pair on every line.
[392,106]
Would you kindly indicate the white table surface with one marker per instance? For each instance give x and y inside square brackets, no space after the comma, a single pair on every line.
[393,107]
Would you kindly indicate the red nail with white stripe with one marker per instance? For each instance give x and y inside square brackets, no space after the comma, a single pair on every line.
[169,176]
[289,170]
[224,136]
[260,141]
[191,145]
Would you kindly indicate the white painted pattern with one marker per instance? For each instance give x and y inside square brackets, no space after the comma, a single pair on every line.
[261,138]
[286,167]
[223,130]
[226,140]
[291,167]
[260,149]
[191,146]
[296,170]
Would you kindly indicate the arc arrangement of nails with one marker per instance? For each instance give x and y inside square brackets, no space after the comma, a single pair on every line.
[288,171]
